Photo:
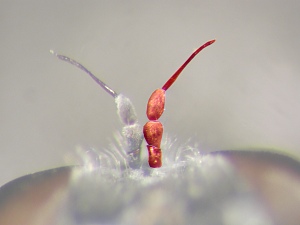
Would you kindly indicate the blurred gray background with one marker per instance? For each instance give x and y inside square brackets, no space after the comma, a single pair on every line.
[241,92]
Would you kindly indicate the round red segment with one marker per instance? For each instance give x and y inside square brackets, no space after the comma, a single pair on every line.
[153,131]
[156,104]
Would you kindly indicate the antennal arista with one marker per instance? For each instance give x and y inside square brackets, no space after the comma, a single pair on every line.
[153,129]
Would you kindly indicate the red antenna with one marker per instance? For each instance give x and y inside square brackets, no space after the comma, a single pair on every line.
[153,129]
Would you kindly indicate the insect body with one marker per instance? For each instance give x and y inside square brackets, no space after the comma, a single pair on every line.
[153,129]
[131,130]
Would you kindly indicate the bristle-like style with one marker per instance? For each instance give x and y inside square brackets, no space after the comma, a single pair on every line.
[78,65]
[178,72]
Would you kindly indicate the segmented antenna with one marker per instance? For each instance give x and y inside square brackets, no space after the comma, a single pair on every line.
[153,129]
[131,131]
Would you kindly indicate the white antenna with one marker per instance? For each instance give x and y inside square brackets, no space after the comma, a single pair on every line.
[131,131]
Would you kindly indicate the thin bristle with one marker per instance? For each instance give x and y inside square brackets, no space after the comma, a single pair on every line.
[78,65]
[177,73]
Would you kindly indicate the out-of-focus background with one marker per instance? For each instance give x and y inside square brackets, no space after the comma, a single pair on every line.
[243,91]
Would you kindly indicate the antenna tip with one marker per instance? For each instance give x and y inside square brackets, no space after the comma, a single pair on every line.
[212,41]
[53,52]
